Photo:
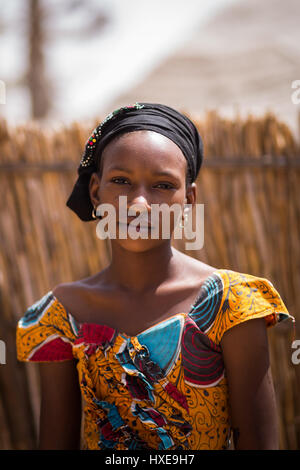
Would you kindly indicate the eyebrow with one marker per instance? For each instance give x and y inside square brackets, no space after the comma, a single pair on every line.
[156,173]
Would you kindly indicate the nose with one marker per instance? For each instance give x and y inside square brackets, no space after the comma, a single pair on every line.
[139,203]
[138,196]
[139,200]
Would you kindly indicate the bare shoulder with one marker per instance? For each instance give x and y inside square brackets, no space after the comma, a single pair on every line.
[65,291]
[70,294]
[196,269]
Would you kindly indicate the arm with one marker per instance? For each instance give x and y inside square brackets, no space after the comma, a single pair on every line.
[251,392]
[60,418]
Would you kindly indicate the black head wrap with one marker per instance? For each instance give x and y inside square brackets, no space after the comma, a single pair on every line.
[140,116]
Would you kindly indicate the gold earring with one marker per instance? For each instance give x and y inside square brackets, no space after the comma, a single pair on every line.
[181,225]
[94,213]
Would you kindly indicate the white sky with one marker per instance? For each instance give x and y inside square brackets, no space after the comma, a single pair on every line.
[88,74]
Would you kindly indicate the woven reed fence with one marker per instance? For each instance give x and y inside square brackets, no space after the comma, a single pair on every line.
[249,184]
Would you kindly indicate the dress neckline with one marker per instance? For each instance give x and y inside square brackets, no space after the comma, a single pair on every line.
[155,325]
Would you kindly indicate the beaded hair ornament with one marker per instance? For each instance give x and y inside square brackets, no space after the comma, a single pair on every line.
[88,155]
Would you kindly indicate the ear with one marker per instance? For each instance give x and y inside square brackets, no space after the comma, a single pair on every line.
[94,189]
[191,194]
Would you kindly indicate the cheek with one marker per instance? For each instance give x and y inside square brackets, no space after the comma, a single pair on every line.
[110,192]
[178,197]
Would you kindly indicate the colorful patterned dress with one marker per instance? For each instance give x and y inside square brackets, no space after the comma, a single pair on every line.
[165,388]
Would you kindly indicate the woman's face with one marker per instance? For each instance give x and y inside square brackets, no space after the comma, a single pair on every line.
[147,168]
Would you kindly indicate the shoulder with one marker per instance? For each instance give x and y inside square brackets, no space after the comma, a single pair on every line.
[47,329]
[68,291]
[86,299]
[240,297]
[45,333]
[197,269]
[72,297]
[69,294]
[71,288]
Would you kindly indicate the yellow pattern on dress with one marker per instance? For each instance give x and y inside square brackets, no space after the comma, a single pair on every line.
[203,423]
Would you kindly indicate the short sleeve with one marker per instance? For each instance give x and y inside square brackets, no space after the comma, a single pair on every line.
[45,332]
[245,297]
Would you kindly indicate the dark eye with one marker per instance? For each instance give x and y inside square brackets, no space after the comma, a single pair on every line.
[117,180]
[166,185]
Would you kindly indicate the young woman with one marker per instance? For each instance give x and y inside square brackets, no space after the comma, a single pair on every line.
[158,344]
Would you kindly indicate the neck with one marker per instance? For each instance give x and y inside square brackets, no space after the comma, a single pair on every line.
[141,271]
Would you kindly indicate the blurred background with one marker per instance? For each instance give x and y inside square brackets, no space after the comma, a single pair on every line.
[229,64]
[77,59]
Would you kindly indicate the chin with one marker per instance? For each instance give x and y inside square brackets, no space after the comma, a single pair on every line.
[140,245]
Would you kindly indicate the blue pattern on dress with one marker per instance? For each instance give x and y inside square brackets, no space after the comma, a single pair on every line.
[36,311]
[207,305]
[163,351]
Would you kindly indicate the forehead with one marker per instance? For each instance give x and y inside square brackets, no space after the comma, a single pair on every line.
[144,148]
